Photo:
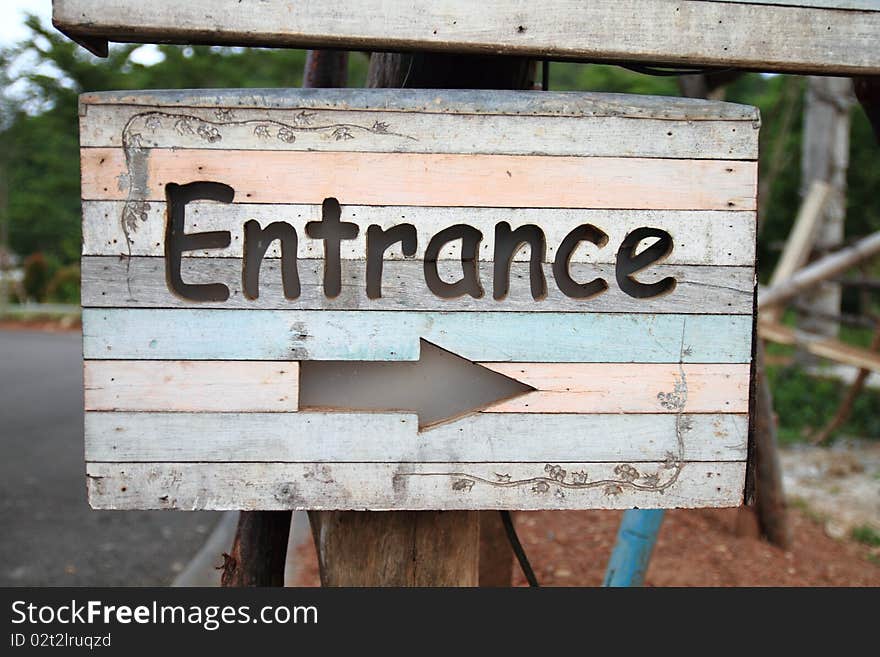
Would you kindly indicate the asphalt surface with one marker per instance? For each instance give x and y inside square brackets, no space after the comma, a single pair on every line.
[48,534]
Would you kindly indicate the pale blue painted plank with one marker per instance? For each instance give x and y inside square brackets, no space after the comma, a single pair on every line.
[169,334]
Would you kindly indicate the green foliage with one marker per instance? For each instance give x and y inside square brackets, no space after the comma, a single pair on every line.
[64,286]
[867,535]
[805,404]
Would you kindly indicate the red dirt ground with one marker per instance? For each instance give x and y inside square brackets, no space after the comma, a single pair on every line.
[695,548]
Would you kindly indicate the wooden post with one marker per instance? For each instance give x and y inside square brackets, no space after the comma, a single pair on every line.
[769,495]
[825,158]
[259,550]
[419,548]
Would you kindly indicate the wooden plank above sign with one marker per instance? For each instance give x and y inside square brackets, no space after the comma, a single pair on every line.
[834,37]
[393,299]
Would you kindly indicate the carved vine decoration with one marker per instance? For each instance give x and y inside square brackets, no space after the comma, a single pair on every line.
[557,479]
[137,130]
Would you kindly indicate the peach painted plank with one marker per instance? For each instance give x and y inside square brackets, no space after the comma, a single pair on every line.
[627,388]
[427,179]
[191,386]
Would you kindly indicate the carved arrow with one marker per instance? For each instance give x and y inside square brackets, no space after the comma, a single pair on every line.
[439,387]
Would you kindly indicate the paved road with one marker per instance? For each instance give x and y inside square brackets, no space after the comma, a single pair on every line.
[48,534]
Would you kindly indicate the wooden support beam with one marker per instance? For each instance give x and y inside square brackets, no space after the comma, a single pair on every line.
[819,345]
[819,271]
[800,240]
[788,35]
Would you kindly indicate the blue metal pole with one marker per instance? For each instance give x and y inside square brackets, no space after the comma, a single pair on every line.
[635,542]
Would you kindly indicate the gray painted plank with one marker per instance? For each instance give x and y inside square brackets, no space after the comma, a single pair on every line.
[142,283]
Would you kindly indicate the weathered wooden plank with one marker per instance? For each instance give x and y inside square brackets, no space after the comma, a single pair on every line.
[702,237]
[432,101]
[297,129]
[221,386]
[394,437]
[693,32]
[387,486]
[141,283]
[135,333]
[613,388]
[860,5]
[534,181]
[256,386]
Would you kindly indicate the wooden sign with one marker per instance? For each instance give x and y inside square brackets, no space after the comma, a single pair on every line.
[393,299]
[804,36]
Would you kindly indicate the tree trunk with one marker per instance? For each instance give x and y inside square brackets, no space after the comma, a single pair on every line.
[415,548]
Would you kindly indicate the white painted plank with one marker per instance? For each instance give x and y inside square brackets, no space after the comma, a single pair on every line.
[387,486]
[142,283]
[637,388]
[432,101]
[379,335]
[692,32]
[701,237]
[232,128]
[394,437]
[226,386]
[534,181]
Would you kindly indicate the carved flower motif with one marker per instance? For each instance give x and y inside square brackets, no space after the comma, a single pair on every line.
[670,461]
[184,126]
[651,479]
[380,127]
[579,477]
[613,489]
[134,212]
[555,472]
[626,472]
[342,132]
[502,477]
[286,135]
[209,133]
[153,122]
[462,485]
[223,113]
[541,487]
[262,132]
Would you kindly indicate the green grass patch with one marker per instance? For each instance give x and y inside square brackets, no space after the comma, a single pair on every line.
[867,535]
[805,404]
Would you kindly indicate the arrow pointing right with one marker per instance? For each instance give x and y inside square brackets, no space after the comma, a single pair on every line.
[439,387]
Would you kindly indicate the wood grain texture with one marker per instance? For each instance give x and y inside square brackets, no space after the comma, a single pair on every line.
[702,237]
[301,129]
[694,32]
[191,386]
[635,388]
[394,437]
[380,335]
[141,283]
[386,486]
[533,181]
[430,101]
